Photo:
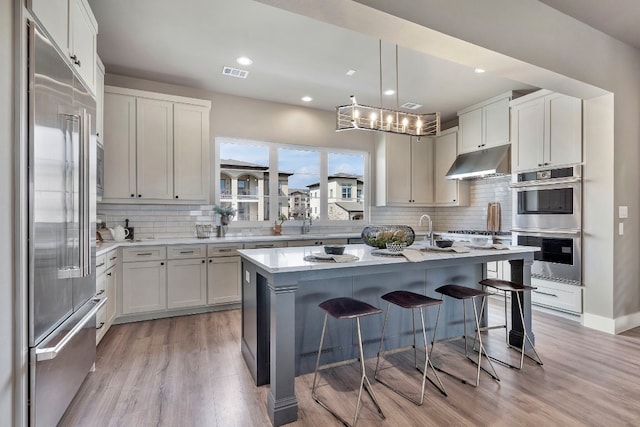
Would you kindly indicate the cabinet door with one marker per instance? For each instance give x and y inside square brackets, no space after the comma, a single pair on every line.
[223,280]
[496,123]
[54,16]
[154,149]
[470,125]
[144,287]
[422,170]
[191,139]
[82,40]
[119,146]
[398,165]
[111,286]
[563,142]
[187,283]
[528,135]
[446,190]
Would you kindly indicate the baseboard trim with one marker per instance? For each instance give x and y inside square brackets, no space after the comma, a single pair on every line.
[611,326]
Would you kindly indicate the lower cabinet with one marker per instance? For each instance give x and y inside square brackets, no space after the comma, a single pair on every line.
[186,283]
[144,286]
[223,274]
[557,296]
[106,284]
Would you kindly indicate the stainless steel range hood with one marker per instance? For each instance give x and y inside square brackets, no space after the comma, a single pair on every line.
[488,162]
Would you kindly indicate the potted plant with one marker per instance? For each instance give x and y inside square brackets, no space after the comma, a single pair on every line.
[277,228]
[226,212]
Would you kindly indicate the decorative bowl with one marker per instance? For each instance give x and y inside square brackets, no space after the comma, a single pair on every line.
[379,235]
[479,241]
[334,249]
[396,247]
[444,243]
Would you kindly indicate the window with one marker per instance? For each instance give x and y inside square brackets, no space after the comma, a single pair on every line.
[267,180]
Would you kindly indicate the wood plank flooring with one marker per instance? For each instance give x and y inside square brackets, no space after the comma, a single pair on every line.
[188,371]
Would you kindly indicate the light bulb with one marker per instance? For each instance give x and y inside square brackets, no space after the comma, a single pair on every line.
[389,119]
[356,114]
[373,117]
[405,122]
[419,124]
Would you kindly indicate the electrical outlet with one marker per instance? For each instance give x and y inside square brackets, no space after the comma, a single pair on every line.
[247,276]
[623,212]
[620,228]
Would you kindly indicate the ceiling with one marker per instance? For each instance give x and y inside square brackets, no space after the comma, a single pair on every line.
[187,43]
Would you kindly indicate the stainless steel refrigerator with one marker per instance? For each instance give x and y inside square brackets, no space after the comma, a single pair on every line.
[62,303]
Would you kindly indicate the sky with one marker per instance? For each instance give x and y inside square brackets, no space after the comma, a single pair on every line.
[304,164]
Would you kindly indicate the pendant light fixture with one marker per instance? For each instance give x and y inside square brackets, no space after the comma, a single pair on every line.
[365,117]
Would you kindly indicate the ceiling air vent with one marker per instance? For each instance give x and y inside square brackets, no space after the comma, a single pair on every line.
[411,105]
[235,72]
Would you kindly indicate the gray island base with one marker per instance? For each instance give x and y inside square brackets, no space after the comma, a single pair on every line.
[281,320]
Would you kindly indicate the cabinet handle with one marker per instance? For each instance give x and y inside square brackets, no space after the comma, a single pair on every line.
[100,326]
[97,133]
[100,292]
[186,252]
[99,265]
[133,195]
[144,253]
[546,293]
[203,261]
[162,263]
[112,258]
[210,261]
[176,197]
[225,250]
[109,274]
[139,195]
[74,58]
[77,62]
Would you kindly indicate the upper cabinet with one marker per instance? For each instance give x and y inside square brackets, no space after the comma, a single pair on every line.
[484,125]
[73,28]
[546,131]
[404,172]
[411,172]
[156,147]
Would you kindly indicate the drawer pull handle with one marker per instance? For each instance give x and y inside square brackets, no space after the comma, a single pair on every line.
[112,258]
[109,274]
[186,252]
[546,293]
[100,265]
[100,326]
[100,292]
[144,253]
[225,250]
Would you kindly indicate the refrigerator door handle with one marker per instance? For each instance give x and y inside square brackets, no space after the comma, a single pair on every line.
[49,353]
[85,215]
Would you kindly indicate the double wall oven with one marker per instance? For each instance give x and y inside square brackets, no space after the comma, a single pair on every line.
[547,213]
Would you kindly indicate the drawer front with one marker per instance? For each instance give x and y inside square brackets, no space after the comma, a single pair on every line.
[186,251]
[558,296]
[265,245]
[101,264]
[148,253]
[112,258]
[230,249]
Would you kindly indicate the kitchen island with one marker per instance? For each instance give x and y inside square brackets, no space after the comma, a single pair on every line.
[281,321]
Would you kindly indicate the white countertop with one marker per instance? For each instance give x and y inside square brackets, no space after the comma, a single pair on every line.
[106,246]
[280,260]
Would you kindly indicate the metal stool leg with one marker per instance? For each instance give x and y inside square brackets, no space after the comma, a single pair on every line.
[315,373]
[526,338]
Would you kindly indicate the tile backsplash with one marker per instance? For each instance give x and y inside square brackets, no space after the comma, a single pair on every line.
[167,221]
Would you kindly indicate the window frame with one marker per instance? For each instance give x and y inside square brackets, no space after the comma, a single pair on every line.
[273,196]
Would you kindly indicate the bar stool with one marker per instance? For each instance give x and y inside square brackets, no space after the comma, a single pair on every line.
[406,299]
[346,308]
[515,289]
[464,293]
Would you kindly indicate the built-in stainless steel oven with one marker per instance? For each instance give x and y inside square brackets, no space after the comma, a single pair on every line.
[559,258]
[548,199]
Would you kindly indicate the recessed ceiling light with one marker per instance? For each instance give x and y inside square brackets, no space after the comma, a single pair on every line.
[307,98]
[243,60]
[479,70]
[351,72]
[389,92]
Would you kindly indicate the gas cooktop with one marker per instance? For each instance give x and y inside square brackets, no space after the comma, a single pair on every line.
[481,232]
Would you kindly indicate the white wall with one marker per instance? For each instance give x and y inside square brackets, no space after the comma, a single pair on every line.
[530,42]
[6,218]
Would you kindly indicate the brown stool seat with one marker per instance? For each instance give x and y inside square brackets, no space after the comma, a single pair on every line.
[460,292]
[348,308]
[506,285]
[406,299]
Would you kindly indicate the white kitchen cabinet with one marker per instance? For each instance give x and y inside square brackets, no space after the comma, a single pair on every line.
[484,125]
[156,147]
[106,282]
[451,192]
[191,154]
[99,101]
[547,131]
[186,283]
[557,296]
[223,274]
[73,28]
[404,170]
[112,293]
[144,286]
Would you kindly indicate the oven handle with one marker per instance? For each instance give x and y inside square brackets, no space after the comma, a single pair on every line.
[548,231]
[541,183]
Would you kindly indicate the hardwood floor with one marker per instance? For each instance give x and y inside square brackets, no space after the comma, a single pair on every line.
[188,371]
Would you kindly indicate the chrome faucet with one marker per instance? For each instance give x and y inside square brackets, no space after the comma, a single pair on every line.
[430,235]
